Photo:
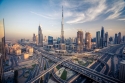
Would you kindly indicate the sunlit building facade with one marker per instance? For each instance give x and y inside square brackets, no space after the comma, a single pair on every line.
[2,48]
[80,41]
[88,41]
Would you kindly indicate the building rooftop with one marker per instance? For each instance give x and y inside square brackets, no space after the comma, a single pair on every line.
[123,62]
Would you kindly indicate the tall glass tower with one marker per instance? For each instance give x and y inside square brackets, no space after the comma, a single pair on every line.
[62,31]
[40,36]
[102,37]
[2,48]
[98,39]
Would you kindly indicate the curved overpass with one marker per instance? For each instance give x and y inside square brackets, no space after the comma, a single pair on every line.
[46,71]
[96,76]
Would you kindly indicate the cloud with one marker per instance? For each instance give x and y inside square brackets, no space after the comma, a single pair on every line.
[90,14]
[122,19]
[48,17]
[115,9]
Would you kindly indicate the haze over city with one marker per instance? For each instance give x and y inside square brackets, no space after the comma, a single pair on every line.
[62,41]
[22,17]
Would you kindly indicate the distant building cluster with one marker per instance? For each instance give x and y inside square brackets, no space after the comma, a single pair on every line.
[17,49]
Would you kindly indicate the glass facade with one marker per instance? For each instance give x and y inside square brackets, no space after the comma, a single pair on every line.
[50,40]
[2,48]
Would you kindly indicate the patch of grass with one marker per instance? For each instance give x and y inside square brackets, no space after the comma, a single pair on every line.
[76,59]
[58,67]
[64,75]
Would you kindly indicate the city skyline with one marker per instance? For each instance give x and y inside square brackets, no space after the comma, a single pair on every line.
[22,18]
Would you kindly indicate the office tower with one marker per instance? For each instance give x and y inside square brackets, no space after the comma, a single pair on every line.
[119,37]
[58,40]
[2,48]
[123,39]
[102,37]
[40,36]
[62,46]
[62,31]
[88,41]
[45,39]
[106,39]
[34,38]
[111,39]
[80,41]
[98,39]
[50,40]
[122,70]
[116,39]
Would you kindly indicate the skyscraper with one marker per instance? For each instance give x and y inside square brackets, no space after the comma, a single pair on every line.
[102,37]
[116,39]
[106,39]
[119,37]
[40,36]
[62,31]
[45,39]
[98,39]
[2,48]
[88,41]
[80,41]
[123,39]
[122,70]
[111,39]
[34,38]
[50,40]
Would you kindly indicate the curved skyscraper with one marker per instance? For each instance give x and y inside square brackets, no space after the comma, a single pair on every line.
[40,36]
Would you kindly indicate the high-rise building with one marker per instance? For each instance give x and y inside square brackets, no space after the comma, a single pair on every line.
[34,38]
[110,39]
[116,39]
[58,40]
[45,39]
[123,39]
[102,37]
[106,39]
[119,37]
[98,39]
[2,48]
[50,40]
[88,41]
[40,36]
[80,41]
[122,70]
[62,31]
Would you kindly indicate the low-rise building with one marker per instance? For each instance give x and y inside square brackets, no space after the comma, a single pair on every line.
[26,56]
[18,52]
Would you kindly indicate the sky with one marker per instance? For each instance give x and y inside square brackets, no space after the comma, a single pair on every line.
[22,17]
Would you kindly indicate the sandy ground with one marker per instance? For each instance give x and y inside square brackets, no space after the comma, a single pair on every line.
[52,80]
[69,73]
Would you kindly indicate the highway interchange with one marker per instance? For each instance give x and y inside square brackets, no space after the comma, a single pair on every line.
[104,70]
